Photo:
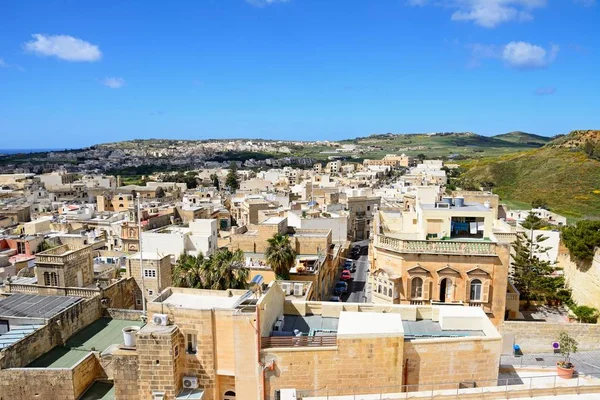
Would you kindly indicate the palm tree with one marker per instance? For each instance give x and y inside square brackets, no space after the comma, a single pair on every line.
[227,270]
[222,270]
[280,255]
[189,271]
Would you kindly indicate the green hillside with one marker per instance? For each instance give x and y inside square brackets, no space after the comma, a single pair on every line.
[455,145]
[523,138]
[563,176]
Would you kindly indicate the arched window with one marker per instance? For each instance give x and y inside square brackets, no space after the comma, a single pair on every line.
[475,290]
[229,395]
[416,288]
[385,291]
[46,279]
[121,205]
[378,288]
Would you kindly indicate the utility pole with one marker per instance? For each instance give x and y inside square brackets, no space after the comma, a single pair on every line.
[139,220]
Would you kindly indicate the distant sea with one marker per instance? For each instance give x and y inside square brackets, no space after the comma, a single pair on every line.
[21,151]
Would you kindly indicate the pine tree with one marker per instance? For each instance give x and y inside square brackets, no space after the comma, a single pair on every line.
[531,275]
[232,179]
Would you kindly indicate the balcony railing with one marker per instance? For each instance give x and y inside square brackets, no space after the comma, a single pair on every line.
[52,290]
[298,341]
[436,246]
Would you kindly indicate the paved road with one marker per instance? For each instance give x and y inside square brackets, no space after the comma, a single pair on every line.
[586,362]
[357,288]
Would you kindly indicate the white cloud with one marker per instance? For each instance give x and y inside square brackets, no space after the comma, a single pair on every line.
[64,47]
[263,3]
[526,55]
[520,55]
[113,83]
[487,13]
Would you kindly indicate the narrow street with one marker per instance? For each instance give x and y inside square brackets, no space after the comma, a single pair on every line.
[357,288]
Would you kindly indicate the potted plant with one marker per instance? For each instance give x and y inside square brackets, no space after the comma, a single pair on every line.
[568,346]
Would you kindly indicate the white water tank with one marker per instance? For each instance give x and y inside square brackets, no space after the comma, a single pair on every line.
[129,333]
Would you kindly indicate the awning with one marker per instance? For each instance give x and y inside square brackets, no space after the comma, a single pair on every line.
[187,394]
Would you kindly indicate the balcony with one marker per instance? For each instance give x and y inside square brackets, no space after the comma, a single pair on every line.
[298,341]
[436,246]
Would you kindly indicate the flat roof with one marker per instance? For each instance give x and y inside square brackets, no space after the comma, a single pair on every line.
[370,323]
[97,336]
[427,328]
[100,390]
[473,207]
[35,306]
[272,221]
[308,324]
[200,301]
[148,255]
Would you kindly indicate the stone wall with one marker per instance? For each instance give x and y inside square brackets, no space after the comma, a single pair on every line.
[46,383]
[125,367]
[451,360]
[584,280]
[121,294]
[127,315]
[537,337]
[364,364]
[54,333]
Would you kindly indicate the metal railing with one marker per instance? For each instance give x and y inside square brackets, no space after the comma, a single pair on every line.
[436,246]
[298,341]
[502,388]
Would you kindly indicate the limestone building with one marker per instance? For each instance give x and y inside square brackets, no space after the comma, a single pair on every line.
[65,266]
[440,252]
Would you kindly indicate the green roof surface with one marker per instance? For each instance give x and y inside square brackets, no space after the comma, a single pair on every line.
[100,391]
[97,336]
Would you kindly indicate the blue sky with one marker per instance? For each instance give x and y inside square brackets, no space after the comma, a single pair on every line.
[77,73]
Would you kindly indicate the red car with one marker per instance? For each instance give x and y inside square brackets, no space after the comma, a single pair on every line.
[346,275]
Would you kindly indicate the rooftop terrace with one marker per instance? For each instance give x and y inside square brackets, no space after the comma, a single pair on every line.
[97,336]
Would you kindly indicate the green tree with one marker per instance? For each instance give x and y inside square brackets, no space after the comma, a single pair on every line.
[582,239]
[215,180]
[280,255]
[532,275]
[539,203]
[222,270]
[232,180]
[189,271]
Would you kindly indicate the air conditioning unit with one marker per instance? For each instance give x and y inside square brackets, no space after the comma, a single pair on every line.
[287,288]
[158,395]
[160,319]
[190,382]
[298,289]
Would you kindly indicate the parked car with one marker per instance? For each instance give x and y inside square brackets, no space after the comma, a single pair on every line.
[346,275]
[348,264]
[340,288]
[335,298]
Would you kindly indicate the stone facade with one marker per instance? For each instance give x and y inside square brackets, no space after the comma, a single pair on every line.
[442,277]
[584,280]
[65,266]
[537,337]
[367,364]
[157,274]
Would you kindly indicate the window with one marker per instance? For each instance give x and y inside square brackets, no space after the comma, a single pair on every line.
[190,343]
[475,290]
[21,247]
[176,351]
[368,208]
[416,291]
[46,279]
[379,289]
[385,291]
[150,292]
[149,273]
